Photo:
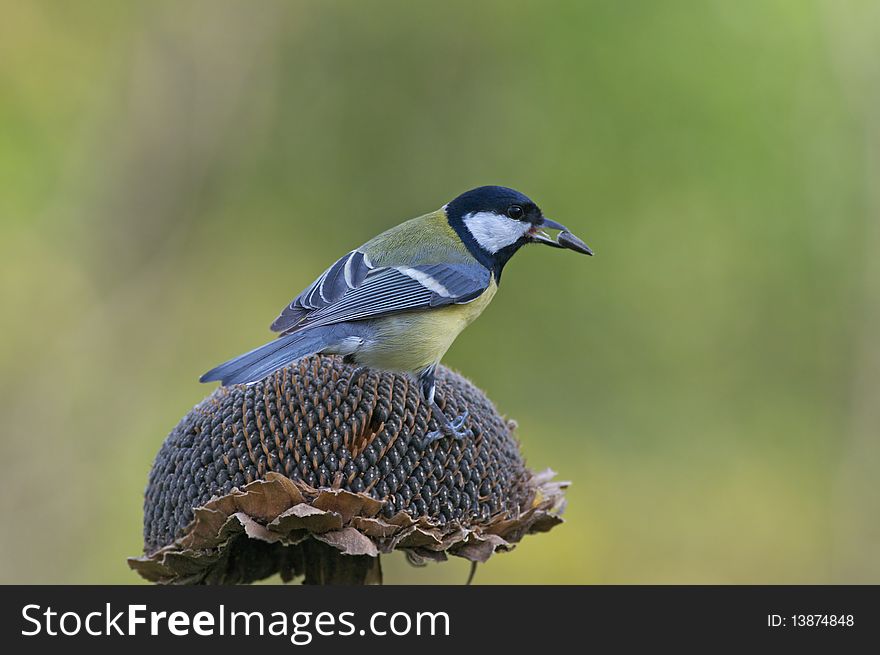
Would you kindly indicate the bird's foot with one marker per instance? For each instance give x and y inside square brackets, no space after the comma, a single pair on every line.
[355,376]
[454,428]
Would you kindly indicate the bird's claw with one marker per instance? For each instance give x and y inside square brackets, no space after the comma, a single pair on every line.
[458,423]
[454,429]
[354,378]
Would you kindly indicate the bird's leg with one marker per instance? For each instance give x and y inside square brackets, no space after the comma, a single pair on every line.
[448,428]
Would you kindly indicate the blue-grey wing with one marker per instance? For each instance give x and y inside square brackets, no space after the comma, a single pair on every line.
[343,276]
[390,290]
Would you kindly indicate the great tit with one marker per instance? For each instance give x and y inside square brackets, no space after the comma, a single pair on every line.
[399,301]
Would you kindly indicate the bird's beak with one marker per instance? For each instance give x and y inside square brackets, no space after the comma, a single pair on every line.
[565,239]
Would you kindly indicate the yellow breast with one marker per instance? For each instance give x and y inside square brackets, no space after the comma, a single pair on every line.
[410,341]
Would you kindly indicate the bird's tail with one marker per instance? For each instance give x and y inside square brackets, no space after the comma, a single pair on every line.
[268,358]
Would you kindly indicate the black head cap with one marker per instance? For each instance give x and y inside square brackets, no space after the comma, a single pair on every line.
[504,203]
[496,199]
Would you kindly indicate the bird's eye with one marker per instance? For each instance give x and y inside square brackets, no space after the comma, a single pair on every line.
[515,212]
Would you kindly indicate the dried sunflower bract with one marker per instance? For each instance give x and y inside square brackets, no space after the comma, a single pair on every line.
[315,473]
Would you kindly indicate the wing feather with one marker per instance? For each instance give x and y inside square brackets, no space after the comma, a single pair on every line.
[352,290]
[344,275]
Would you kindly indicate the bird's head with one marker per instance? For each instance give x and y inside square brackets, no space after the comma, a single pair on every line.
[494,222]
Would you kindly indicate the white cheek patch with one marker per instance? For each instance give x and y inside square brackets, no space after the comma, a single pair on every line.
[494,231]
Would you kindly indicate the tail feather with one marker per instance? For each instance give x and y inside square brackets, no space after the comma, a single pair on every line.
[258,363]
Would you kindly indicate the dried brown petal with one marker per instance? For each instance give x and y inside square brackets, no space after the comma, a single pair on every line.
[281,475]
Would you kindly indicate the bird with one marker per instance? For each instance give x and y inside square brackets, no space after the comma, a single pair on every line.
[398,302]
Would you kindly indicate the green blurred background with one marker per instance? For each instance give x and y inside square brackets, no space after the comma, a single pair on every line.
[172,173]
